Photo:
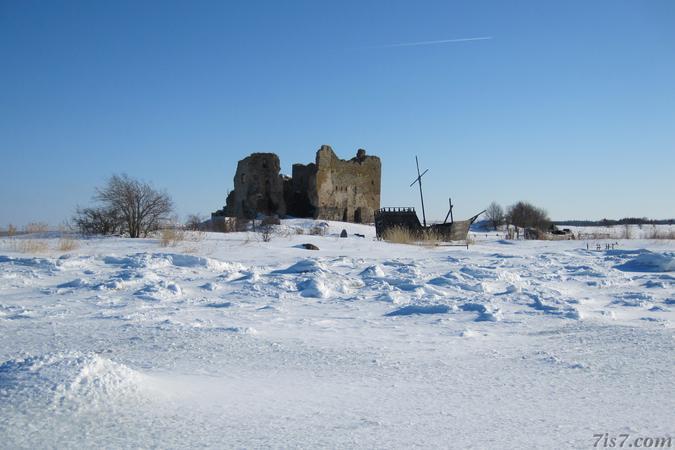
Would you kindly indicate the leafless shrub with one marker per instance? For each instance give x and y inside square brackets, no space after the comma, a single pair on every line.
[11,230]
[171,237]
[430,238]
[403,235]
[398,235]
[194,222]
[98,220]
[36,227]
[195,236]
[299,231]
[142,207]
[67,244]
[526,215]
[265,233]
[495,214]
[30,245]
[283,232]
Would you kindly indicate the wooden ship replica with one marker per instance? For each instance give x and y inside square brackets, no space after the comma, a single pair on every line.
[406,217]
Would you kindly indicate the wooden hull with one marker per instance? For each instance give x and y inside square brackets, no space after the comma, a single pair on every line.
[386,218]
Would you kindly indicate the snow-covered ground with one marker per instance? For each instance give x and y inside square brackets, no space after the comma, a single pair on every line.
[226,341]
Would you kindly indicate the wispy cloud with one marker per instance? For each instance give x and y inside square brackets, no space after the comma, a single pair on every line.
[442,41]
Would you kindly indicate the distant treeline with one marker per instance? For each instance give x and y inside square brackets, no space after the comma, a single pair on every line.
[610,222]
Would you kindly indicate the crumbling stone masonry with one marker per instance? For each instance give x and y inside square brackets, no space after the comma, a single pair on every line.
[329,189]
[258,187]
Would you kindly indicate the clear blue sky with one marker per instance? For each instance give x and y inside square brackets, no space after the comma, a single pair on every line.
[570,105]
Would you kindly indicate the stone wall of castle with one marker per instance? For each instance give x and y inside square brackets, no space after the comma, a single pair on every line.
[258,187]
[329,189]
[345,190]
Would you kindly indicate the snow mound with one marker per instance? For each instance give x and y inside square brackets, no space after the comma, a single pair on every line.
[37,263]
[372,272]
[158,260]
[159,291]
[302,266]
[651,284]
[477,273]
[129,262]
[76,283]
[449,279]
[322,285]
[315,287]
[182,260]
[555,306]
[392,296]
[218,305]
[252,276]
[485,313]
[420,309]
[66,377]
[468,333]
[633,299]
[555,360]
[456,281]
[650,262]
[209,286]
[238,330]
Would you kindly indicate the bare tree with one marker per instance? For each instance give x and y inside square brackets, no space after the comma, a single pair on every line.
[98,220]
[141,207]
[194,222]
[526,215]
[495,214]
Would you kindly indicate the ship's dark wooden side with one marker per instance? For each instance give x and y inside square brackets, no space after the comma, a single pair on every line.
[455,231]
[386,218]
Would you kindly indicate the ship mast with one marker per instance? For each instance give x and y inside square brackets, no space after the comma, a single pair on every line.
[419,181]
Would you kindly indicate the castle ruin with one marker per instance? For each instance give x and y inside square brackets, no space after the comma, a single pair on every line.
[328,189]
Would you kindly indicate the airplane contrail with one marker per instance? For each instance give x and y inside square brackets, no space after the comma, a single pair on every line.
[442,41]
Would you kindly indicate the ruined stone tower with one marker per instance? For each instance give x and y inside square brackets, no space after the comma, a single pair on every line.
[329,189]
[258,187]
